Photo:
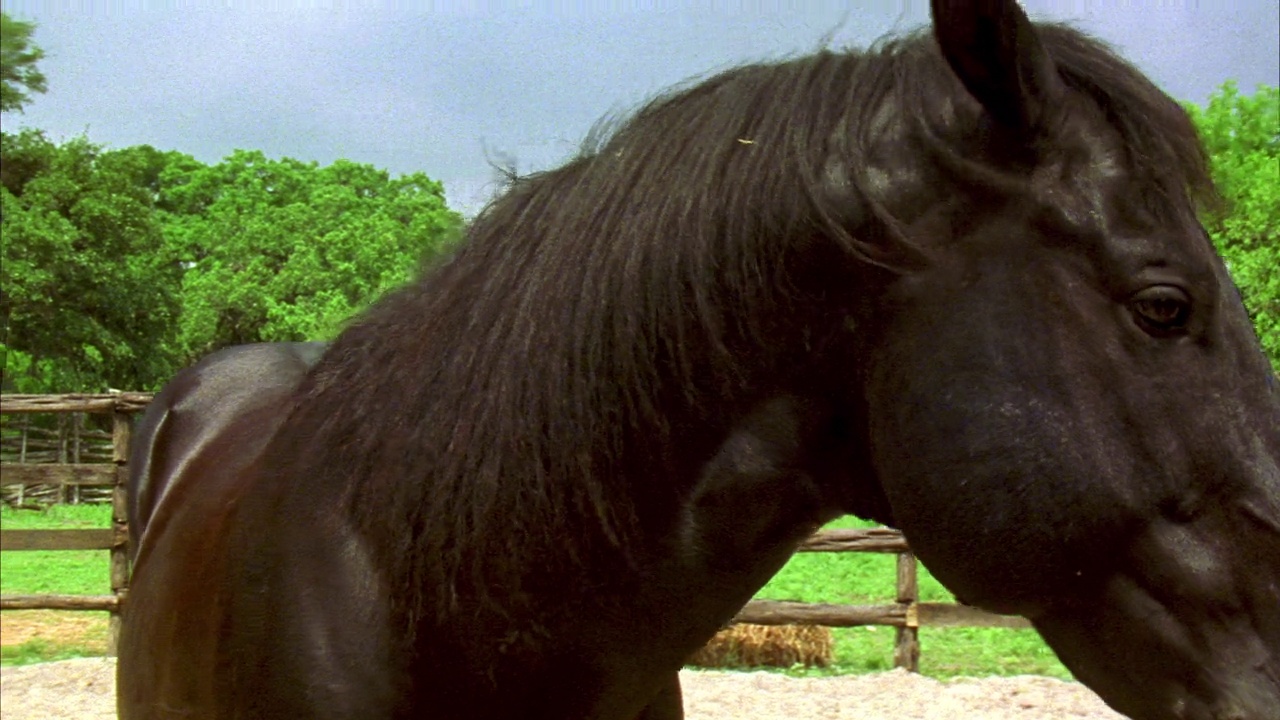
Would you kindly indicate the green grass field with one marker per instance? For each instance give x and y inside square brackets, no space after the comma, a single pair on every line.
[62,572]
[856,578]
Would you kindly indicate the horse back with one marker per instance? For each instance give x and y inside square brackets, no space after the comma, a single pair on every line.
[192,459]
[200,405]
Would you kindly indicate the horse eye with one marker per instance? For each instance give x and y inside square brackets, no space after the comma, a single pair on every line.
[1161,309]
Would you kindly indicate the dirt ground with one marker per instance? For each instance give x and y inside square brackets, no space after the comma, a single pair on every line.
[84,689]
[88,630]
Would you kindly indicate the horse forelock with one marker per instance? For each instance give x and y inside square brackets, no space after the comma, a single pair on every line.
[555,385]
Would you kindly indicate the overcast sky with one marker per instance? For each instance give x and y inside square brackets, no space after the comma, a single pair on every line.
[444,87]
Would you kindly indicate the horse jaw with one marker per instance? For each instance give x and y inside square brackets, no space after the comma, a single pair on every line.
[1189,628]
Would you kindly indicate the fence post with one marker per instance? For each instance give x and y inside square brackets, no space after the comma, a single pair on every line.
[22,458]
[121,428]
[906,649]
[77,424]
[63,492]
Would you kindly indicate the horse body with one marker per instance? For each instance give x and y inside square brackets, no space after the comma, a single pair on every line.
[192,453]
[329,610]
[204,402]
[955,284]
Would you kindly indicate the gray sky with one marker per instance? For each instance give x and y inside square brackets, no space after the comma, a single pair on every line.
[432,87]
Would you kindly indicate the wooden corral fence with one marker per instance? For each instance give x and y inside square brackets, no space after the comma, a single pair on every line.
[907,614]
[63,438]
[111,474]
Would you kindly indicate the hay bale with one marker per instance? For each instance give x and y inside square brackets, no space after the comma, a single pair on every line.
[746,645]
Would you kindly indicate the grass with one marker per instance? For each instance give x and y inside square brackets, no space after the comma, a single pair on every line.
[856,578]
[868,579]
[40,649]
[71,572]
[61,635]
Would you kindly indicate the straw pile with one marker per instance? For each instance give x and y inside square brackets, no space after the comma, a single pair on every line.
[746,645]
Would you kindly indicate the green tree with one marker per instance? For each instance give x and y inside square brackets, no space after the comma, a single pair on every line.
[18,57]
[279,250]
[1242,135]
[89,288]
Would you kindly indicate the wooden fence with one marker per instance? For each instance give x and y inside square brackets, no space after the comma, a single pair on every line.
[907,614]
[120,407]
[66,439]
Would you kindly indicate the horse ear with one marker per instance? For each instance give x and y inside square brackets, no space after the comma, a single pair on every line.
[993,48]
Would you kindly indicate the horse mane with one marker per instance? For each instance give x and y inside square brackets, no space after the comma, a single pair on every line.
[528,405]
[1163,146]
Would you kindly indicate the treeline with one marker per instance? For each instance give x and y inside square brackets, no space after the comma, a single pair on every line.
[121,266]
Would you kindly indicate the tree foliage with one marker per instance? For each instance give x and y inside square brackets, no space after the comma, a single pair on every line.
[89,288]
[284,250]
[19,76]
[117,267]
[1242,135]
[121,266]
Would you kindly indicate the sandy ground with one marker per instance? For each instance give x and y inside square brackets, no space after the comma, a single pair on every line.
[85,629]
[84,689]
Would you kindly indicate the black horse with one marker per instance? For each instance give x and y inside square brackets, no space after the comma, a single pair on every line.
[220,411]
[955,284]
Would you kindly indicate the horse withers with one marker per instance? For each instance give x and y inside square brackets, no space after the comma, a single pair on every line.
[221,409]
[955,284]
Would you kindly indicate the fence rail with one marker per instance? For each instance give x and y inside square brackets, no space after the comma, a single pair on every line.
[907,614]
[61,539]
[121,402]
[58,474]
[109,603]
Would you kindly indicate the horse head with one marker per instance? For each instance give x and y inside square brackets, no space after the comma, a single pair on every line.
[1070,376]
